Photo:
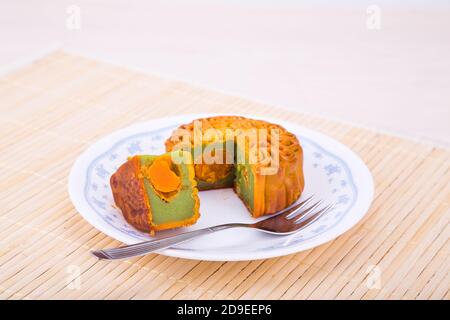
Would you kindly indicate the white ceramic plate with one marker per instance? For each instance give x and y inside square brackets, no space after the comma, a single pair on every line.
[332,172]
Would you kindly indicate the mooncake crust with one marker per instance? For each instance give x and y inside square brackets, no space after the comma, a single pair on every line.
[129,194]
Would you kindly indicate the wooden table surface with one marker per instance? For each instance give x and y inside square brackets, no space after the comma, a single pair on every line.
[54,108]
[321,58]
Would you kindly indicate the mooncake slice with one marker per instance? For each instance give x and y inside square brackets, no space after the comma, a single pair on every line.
[157,192]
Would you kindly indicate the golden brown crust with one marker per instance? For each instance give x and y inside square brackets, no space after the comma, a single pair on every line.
[129,194]
[272,192]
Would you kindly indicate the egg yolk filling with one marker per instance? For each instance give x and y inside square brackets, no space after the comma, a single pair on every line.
[162,177]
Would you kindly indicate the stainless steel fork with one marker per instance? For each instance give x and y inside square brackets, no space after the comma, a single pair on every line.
[287,221]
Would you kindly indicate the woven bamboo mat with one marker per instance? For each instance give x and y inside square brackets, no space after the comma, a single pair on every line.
[52,109]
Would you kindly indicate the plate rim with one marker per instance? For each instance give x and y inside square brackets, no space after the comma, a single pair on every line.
[364,199]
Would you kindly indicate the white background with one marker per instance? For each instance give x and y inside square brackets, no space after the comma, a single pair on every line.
[317,58]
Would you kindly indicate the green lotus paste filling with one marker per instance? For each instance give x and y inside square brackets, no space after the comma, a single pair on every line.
[223,148]
[244,183]
[180,206]
[226,182]
[240,176]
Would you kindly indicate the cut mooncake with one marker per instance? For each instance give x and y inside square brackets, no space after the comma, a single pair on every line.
[263,187]
[157,192]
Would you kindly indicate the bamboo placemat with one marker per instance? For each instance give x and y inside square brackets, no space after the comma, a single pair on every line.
[52,109]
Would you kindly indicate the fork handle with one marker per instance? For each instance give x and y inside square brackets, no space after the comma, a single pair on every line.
[143,248]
